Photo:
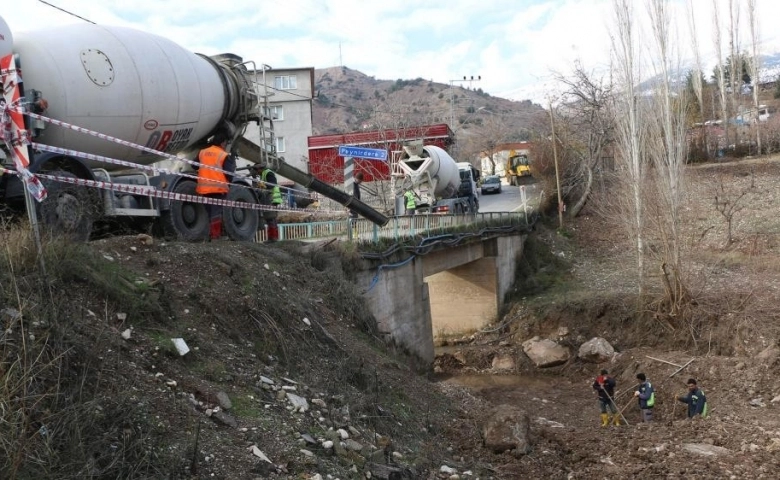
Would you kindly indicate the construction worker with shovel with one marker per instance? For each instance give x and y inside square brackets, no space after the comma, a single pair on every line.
[605,389]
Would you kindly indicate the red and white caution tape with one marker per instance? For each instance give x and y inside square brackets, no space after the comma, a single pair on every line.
[15,136]
[125,143]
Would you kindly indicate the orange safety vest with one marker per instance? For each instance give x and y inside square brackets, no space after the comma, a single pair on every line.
[210,180]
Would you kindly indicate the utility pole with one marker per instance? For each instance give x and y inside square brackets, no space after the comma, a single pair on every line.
[557,175]
[464,79]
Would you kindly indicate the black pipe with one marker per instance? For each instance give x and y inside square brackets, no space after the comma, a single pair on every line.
[251,152]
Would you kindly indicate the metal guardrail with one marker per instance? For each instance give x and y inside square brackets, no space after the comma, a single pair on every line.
[397,228]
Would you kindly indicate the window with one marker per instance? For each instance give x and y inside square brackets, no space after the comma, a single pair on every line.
[276,112]
[286,82]
[280,144]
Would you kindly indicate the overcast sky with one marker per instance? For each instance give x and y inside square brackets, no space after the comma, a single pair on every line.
[514,45]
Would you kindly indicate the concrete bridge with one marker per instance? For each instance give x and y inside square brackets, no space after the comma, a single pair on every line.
[447,289]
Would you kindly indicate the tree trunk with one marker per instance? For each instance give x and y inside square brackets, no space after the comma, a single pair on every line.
[575,210]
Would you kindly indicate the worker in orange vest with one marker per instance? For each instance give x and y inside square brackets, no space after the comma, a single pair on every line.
[214,177]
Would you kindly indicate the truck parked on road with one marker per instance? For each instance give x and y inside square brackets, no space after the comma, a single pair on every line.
[441,184]
[138,89]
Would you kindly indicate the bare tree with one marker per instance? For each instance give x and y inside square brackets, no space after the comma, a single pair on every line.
[586,125]
[730,200]
[697,72]
[666,149]
[755,65]
[721,74]
[629,131]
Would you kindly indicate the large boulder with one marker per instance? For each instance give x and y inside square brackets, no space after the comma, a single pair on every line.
[507,429]
[545,353]
[596,350]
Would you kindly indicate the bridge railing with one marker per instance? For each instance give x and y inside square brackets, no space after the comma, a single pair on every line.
[397,228]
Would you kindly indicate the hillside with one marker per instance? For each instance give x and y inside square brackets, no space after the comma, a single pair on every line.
[347,100]
[287,378]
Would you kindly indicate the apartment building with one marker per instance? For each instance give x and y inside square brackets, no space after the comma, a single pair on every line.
[289,103]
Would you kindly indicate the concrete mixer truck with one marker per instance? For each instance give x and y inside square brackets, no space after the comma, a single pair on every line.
[134,88]
[440,184]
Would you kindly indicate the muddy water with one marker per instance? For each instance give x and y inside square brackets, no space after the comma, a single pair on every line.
[545,398]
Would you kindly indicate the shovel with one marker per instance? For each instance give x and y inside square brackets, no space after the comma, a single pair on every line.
[616,407]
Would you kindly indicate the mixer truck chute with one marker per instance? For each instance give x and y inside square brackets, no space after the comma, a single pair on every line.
[442,184]
[140,89]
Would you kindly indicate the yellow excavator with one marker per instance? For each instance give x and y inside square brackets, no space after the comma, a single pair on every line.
[517,168]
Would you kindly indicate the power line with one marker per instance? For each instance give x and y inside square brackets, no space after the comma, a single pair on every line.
[69,13]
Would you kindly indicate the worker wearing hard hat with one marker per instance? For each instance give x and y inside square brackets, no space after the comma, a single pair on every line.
[214,177]
[270,194]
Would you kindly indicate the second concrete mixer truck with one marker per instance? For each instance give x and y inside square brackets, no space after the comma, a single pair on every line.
[440,184]
[140,89]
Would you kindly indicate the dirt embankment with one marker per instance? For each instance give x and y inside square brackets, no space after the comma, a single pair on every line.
[583,284]
[93,386]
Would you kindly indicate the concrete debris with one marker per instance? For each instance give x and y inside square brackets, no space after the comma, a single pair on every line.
[181,346]
[258,453]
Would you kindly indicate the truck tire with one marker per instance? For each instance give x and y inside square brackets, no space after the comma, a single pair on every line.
[240,223]
[186,221]
[68,209]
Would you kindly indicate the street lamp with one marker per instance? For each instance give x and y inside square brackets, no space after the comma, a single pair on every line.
[464,79]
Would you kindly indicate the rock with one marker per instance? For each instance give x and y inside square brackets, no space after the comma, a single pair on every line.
[309,439]
[775,399]
[447,470]
[353,445]
[11,313]
[507,428]
[545,353]
[327,444]
[563,331]
[307,453]
[757,402]
[769,355]
[774,445]
[343,434]
[121,316]
[706,450]
[299,403]
[596,350]
[224,401]
[307,321]
[266,380]
[126,334]
[224,419]
[319,402]
[145,239]
[503,362]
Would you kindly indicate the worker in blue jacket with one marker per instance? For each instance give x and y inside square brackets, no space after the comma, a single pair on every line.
[646,396]
[696,401]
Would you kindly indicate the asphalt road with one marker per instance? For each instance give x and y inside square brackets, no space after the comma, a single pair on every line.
[510,199]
